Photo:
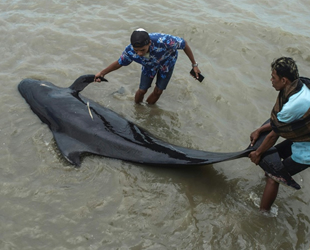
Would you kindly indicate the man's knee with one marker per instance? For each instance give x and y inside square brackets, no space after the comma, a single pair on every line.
[141,91]
[271,182]
[157,91]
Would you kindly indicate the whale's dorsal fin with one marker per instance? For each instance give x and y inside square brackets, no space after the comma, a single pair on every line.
[82,82]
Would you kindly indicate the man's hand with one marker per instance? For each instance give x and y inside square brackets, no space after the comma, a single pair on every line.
[255,157]
[194,72]
[253,137]
[98,77]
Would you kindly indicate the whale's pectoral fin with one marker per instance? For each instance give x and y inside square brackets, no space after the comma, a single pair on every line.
[70,148]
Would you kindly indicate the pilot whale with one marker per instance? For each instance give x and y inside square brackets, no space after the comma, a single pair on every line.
[80,125]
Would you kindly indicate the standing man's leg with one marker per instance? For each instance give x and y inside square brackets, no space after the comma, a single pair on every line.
[140,95]
[161,84]
[269,195]
[289,166]
[152,99]
[145,83]
[272,164]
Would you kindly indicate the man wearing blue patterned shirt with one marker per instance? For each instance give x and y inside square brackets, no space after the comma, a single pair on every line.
[157,53]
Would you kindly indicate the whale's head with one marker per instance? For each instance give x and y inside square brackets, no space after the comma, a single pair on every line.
[35,89]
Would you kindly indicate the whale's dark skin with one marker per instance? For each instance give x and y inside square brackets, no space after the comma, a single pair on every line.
[80,125]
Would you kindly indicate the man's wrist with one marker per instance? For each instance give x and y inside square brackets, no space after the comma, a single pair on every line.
[195,64]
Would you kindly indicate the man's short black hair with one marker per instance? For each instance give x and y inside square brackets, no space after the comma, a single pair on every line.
[285,67]
[139,38]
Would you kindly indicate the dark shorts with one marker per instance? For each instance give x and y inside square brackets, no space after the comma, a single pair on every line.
[285,152]
[161,83]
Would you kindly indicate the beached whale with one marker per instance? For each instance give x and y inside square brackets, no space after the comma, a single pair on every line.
[80,125]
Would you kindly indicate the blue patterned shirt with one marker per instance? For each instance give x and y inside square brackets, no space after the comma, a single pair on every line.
[162,57]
